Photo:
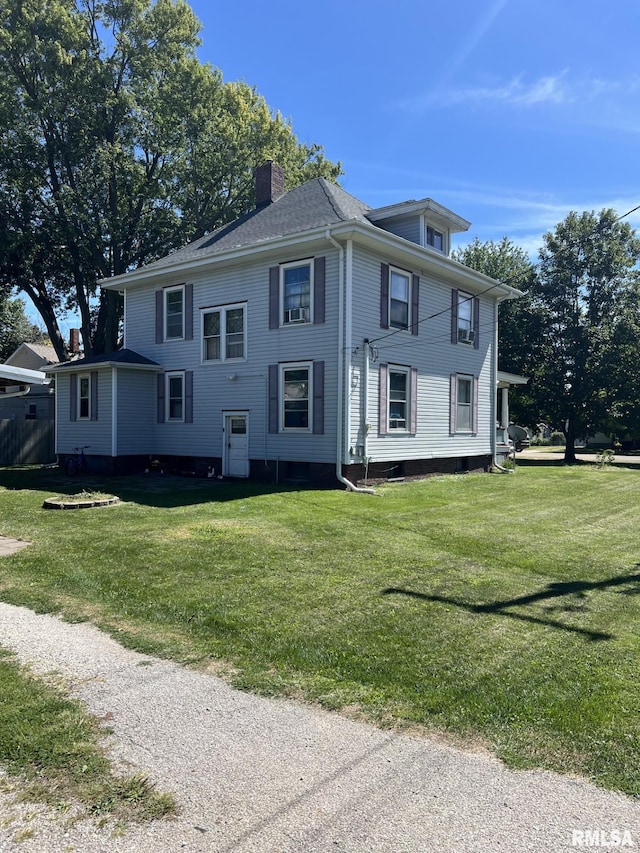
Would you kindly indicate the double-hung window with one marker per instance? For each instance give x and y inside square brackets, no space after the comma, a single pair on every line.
[465,320]
[84,396]
[175,396]
[297,292]
[174,313]
[296,396]
[224,333]
[464,403]
[399,298]
[398,398]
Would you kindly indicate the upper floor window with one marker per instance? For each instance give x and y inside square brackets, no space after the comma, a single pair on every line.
[399,299]
[465,318]
[434,238]
[297,290]
[399,294]
[174,313]
[224,333]
[297,293]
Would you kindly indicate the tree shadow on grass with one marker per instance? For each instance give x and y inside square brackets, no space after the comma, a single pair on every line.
[155,490]
[550,592]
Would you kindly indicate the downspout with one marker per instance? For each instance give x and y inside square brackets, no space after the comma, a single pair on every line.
[494,401]
[344,289]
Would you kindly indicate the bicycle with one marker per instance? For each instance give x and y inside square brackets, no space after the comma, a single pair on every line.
[77,463]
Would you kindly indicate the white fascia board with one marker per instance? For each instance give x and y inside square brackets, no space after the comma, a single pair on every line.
[23,375]
[423,206]
[505,379]
[100,365]
[377,239]
[429,261]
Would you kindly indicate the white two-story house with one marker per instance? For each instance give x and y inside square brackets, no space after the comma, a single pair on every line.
[313,338]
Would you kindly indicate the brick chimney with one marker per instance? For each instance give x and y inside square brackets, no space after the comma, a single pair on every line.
[74,341]
[269,183]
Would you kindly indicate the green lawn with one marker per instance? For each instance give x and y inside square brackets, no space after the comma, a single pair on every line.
[501,610]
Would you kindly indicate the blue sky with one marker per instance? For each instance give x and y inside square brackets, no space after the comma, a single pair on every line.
[509,112]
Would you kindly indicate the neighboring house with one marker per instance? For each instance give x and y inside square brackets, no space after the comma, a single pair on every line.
[31,399]
[313,338]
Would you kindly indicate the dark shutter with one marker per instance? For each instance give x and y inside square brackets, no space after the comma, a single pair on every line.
[318,397]
[73,396]
[274,297]
[188,312]
[476,322]
[383,401]
[188,396]
[273,398]
[415,304]
[384,296]
[159,316]
[413,398]
[453,402]
[94,395]
[476,387]
[318,290]
[161,381]
[454,317]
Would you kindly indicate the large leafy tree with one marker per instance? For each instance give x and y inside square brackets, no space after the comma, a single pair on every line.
[520,320]
[588,288]
[575,331]
[117,145]
[15,327]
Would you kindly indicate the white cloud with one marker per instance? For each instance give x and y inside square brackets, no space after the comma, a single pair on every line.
[559,89]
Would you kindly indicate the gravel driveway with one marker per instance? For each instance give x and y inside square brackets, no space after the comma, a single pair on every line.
[256,774]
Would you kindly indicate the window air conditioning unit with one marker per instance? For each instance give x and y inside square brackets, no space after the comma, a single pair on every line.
[466,336]
[295,315]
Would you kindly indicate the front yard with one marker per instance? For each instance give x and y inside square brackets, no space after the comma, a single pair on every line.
[501,611]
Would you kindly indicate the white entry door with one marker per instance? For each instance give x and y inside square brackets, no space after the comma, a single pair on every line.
[236,444]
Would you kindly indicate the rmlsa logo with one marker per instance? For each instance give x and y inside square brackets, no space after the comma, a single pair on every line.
[601,838]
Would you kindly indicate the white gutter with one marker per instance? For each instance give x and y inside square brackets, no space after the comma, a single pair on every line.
[22,393]
[418,256]
[344,335]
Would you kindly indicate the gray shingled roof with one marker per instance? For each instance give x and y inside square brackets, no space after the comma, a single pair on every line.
[121,356]
[312,205]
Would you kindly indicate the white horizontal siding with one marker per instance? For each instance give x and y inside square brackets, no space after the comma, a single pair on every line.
[406,226]
[432,354]
[136,415]
[213,392]
[96,434]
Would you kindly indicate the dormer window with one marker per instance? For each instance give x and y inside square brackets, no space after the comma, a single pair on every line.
[434,238]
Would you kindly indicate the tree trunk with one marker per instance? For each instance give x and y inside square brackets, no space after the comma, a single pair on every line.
[570,443]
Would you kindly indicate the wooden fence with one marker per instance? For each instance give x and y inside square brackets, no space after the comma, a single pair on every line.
[27,442]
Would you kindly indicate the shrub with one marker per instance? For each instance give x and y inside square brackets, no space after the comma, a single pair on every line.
[557,439]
